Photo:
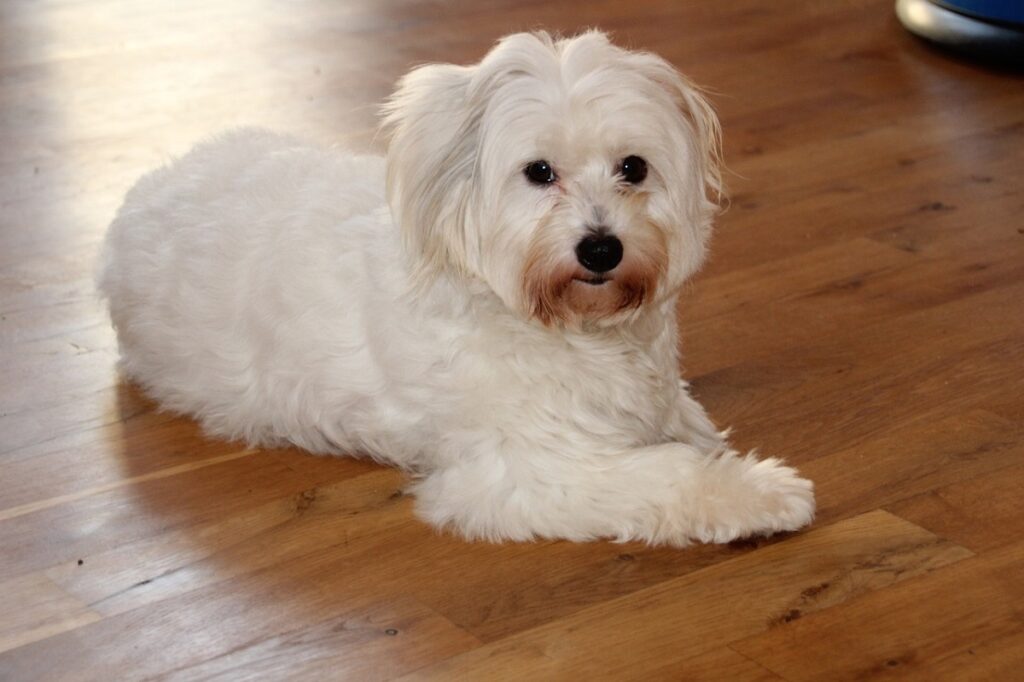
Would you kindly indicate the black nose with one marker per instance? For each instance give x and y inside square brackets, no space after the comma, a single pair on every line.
[599,253]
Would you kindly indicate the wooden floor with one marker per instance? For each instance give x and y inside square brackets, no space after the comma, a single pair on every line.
[863,316]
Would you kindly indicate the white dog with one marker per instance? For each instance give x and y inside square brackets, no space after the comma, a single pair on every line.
[500,320]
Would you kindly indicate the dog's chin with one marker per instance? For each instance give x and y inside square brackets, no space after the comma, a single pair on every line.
[577,298]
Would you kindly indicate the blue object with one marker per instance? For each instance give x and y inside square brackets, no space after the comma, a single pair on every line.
[1007,11]
[992,30]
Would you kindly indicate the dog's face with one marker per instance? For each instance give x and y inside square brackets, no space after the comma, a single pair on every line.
[574,178]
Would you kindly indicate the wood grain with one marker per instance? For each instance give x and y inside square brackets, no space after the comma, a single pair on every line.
[981,603]
[682,618]
[980,513]
[862,315]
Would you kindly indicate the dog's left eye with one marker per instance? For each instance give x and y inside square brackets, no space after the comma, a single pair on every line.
[633,170]
[540,172]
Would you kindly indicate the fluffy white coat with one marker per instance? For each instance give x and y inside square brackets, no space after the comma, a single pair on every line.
[428,309]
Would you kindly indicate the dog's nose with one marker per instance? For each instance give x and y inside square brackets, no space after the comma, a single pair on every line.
[599,253]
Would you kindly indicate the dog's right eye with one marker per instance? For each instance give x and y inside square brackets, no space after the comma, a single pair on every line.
[539,172]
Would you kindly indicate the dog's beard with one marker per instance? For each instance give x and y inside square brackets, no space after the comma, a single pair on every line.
[558,290]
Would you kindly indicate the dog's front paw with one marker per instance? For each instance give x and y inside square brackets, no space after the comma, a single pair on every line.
[747,497]
[787,500]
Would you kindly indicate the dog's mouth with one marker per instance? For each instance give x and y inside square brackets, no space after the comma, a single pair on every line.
[593,281]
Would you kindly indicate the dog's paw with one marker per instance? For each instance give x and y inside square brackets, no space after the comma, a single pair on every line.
[787,500]
[749,497]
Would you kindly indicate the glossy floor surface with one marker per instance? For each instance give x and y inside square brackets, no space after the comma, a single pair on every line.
[862,316]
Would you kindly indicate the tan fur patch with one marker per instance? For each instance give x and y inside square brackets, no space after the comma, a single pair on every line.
[554,292]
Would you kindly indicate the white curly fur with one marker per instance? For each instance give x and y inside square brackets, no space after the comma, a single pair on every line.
[279,294]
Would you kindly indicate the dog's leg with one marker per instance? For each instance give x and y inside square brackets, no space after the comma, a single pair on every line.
[690,424]
[663,494]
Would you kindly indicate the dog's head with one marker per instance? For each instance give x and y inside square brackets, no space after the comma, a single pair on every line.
[576,179]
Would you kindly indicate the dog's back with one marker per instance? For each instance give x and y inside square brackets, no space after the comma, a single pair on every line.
[237,276]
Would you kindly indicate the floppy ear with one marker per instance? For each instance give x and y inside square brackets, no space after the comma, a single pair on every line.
[430,165]
[704,130]
[708,134]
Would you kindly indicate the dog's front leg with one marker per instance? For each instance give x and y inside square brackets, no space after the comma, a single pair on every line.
[664,494]
[689,423]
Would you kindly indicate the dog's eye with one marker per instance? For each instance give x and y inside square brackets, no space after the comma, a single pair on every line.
[633,170]
[539,172]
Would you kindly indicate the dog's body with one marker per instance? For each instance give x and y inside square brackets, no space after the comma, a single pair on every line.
[266,287]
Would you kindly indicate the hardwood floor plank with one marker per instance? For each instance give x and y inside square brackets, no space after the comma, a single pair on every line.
[821,294]
[998,658]
[908,461]
[35,608]
[862,384]
[379,644]
[669,622]
[978,512]
[960,622]
[257,634]
[38,505]
[335,521]
[97,522]
[720,665]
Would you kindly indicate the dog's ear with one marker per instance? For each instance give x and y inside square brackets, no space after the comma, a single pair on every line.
[432,140]
[700,118]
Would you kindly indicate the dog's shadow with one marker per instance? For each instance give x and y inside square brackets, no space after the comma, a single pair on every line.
[193,511]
